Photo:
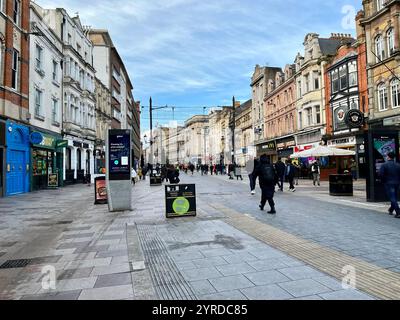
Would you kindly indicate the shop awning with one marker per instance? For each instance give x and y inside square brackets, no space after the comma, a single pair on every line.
[322,151]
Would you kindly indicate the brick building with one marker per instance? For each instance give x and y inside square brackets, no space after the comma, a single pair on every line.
[14,97]
[346,94]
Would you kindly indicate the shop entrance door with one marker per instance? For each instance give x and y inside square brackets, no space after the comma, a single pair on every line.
[16,172]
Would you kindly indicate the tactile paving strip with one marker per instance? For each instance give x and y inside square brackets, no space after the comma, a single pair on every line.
[168,282]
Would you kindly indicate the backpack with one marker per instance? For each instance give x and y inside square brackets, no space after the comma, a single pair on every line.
[267,173]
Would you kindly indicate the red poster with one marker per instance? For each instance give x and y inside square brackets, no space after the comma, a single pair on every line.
[101,190]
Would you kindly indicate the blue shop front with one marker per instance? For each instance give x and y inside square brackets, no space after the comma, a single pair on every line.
[17,160]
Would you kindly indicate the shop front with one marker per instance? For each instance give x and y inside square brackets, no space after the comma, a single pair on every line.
[268,149]
[285,147]
[17,159]
[47,160]
[2,156]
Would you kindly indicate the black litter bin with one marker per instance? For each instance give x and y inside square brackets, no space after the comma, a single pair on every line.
[341,185]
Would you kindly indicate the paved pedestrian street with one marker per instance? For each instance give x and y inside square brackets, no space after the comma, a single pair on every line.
[231,250]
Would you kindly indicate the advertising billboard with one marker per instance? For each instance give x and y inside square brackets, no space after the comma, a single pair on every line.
[119,154]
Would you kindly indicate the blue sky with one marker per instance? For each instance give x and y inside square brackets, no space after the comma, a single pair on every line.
[196,53]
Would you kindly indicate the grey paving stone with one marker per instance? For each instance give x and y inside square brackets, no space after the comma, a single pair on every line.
[202,287]
[116,279]
[240,257]
[309,298]
[185,265]
[74,273]
[386,263]
[108,293]
[266,277]
[303,288]
[112,253]
[112,237]
[330,282]
[78,245]
[227,295]
[201,274]
[267,253]
[68,295]
[270,292]
[302,272]
[187,256]
[89,263]
[291,262]
[231,283]
[209,262]
[346,295]
[216,252]
[268,264]
[78,235]
[234,269]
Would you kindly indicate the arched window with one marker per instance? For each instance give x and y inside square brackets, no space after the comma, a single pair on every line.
[390,41]
[78,159]
[382,97]
[395,89]
[379,48]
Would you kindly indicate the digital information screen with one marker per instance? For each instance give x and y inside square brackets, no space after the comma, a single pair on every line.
[119,155]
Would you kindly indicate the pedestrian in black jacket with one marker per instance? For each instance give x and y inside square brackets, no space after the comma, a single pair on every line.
[280,169]
[268,177]
[290,174]
[390,176]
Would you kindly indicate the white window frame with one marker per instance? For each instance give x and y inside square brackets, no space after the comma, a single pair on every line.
[318,112]
[16,12]
[15,70]
[390,41]
[380,48]
[55,71]
[55,110]
[382,97]
[395,93]
[39,57]
[309,115]
[380,4]
[38,102]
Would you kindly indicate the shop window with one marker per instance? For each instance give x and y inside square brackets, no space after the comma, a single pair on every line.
[42,163]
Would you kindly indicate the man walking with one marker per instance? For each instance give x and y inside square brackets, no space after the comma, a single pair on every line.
[390,176]
[316,172]
[268,178]
[251,167]
[290,174]
[280,169]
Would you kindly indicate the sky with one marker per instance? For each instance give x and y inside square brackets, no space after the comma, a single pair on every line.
[192,54]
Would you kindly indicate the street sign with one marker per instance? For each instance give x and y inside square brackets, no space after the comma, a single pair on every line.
[180,200]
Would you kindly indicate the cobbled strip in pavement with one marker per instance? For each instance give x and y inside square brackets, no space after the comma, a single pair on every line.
[381,283]
[167,279]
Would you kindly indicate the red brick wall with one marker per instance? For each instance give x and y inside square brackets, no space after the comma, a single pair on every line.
[24,56]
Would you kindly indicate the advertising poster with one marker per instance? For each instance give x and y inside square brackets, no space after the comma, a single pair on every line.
[53,181]
[382,147]
[180,200]
[100,190]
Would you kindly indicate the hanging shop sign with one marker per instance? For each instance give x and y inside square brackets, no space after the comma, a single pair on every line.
[343,142]
[180,200]
[285,144]
[61,144]
[355,118]
[36,138]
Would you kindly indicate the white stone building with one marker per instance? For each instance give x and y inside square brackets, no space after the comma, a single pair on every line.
[79,122]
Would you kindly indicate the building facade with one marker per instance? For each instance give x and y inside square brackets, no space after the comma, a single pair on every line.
[195,139]
[79,127]
[14,98]
[380,21]
[244,134]
[280,114]
[45,101]
[346,95]
[310,87]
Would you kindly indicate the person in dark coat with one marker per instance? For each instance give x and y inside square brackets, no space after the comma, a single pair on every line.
[268,177]
[390,177]
[280,169]
[290,174]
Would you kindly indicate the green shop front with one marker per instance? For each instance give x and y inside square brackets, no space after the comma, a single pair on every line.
[47,160]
